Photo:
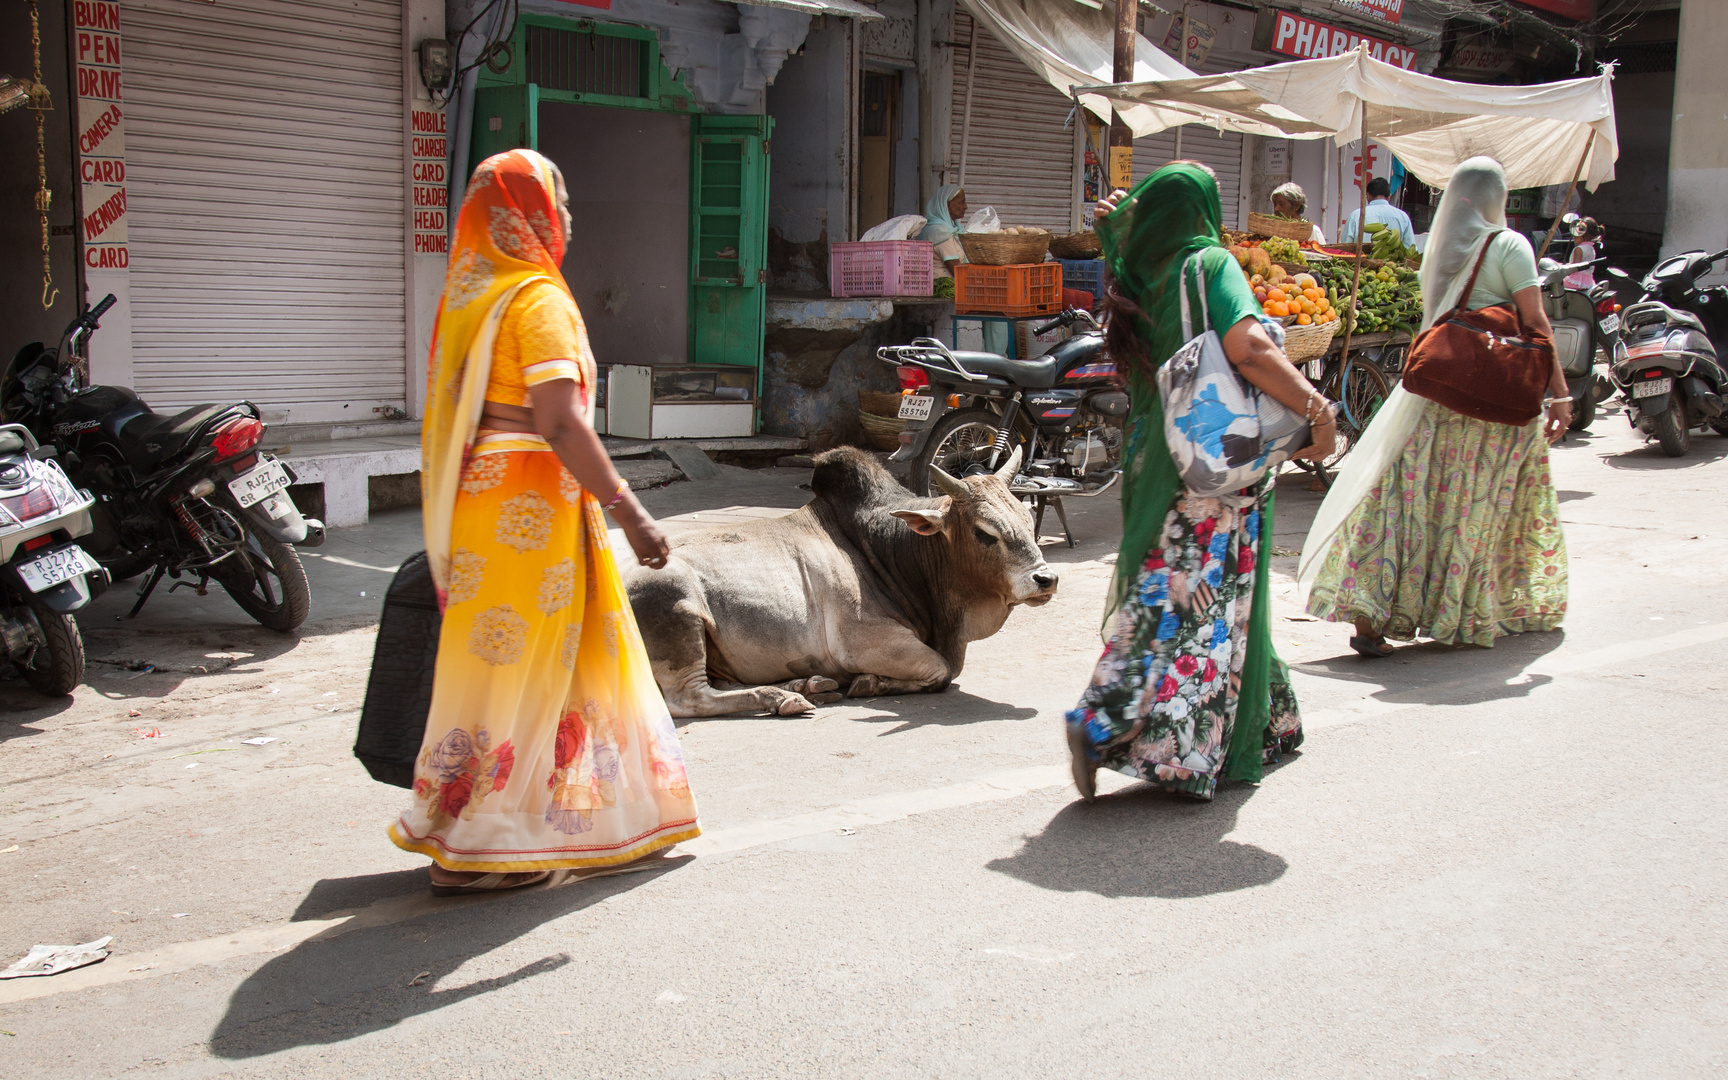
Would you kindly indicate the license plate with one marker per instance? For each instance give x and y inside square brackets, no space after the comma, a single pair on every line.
[916,407]
[258,484]
[1652,388]
[1610,323]
[55,567]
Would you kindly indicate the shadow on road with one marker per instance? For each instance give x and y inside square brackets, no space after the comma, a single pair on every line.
[950,708]
[1142,841]
[334,989]
[1706,450]
[21,706]
[1430,673]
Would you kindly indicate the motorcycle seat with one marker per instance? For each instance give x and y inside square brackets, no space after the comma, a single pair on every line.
[155,437]
[1039,374]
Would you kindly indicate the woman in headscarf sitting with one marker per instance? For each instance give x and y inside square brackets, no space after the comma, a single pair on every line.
[1189,689]
[1441,524]
[942,215]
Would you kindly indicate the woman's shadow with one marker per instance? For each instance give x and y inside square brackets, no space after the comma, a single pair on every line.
[1142,841]
[341,985]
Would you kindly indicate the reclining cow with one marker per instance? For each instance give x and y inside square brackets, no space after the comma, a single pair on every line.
[868,590]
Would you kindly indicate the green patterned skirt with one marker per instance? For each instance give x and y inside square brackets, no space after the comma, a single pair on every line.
[1460,541]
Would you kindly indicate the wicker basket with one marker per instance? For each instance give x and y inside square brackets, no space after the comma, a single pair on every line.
[879,402]
[1307,342]
[1267,225]
[1080,245]
[881,432]
[1005,249]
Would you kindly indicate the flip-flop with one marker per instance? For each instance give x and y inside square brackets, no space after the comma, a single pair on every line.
[1080,761]
[490,883]
[1374,648]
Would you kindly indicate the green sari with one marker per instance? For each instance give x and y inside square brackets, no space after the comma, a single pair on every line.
[1189,689]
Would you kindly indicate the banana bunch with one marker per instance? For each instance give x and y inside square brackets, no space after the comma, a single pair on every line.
[1386,243]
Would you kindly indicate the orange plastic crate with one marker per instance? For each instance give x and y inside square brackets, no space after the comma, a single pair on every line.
[1017,292]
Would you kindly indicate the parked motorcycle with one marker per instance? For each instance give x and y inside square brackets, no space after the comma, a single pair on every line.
[966,412]
[187,495]
[1584,322]
[44,574]
[1671,376]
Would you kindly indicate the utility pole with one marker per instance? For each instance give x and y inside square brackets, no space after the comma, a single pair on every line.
[1121,164]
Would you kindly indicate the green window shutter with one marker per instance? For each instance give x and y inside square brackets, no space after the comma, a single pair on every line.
[505,118]
[729,239]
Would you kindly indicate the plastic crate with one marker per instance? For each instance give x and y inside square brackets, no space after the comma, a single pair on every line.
[1016,292]
[1085,274]
[882,268]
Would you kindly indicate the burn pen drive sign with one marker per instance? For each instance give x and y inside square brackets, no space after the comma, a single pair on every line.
[101,133]
[430,212]
[1308,39]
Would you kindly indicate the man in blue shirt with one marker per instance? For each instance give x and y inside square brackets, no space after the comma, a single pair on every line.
[1379,210]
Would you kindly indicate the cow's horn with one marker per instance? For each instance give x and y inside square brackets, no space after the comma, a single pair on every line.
[948,483]
[1010,467]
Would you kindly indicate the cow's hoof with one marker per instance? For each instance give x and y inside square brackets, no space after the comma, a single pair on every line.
[864,686]
[819,684]
[829,698]
[794,705]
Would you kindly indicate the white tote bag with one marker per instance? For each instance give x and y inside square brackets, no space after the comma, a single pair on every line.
[1223,432]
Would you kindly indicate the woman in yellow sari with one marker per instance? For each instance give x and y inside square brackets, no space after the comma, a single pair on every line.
[548,746]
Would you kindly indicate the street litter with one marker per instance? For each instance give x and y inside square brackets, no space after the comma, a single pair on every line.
[191,764]
[8,850]
[51,959]
[1300,617]
[153,733]
[182,915]
[133,712]
[143,671]
[420,978]
[145,967]
[258,740]
[273,689]
[848,832]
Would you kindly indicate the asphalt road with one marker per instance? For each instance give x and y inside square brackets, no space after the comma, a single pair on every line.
[1482,863]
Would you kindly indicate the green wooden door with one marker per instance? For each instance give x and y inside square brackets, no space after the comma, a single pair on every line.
[728,238]
[505,118]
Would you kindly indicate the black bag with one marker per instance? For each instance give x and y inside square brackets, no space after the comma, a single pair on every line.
[399,691]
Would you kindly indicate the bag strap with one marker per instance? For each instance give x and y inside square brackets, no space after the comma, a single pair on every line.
[1182,285]
[1470,284]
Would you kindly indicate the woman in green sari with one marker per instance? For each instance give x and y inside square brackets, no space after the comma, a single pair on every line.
[1189,689]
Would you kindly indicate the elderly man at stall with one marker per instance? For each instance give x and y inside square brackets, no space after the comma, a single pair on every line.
[1380,210]
[1290,201]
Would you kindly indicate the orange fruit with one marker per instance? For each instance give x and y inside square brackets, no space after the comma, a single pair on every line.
[1280,308]
[1304,320]
[1277,294]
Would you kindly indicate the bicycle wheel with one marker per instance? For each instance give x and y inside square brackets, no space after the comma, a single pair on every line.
[1364,389]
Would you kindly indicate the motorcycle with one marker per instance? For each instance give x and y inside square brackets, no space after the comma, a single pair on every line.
[966,412]
[1585,322]
[186,495]
[45,575]
[1670,376]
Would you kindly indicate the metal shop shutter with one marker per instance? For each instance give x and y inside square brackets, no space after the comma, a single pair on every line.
[1221,150]
[265,196]
[1020,157]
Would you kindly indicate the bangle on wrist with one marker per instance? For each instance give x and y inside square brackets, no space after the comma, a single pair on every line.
[617,496]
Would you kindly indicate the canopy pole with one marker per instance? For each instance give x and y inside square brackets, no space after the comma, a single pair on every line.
[1119,160]
[1077,198]
[1361,223]
[1182,58]
[966,114]
[1567,201]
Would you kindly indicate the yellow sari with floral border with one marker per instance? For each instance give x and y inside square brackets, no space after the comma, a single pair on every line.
[548,745]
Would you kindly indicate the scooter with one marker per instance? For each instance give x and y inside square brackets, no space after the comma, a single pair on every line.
[1671,377]
[45,575]
[187,494]
[965,413]
[1585,322]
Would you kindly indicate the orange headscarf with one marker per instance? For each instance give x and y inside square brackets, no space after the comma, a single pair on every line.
[507,234]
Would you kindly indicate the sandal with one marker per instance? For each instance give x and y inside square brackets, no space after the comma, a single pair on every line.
[492,883]
[1080,761]
[1374,648]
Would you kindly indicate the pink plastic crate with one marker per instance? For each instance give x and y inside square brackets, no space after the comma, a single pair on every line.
[882,268]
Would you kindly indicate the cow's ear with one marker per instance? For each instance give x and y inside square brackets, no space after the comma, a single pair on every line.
[926,522]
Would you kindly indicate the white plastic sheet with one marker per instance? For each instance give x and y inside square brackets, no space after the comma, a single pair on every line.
[1538,133]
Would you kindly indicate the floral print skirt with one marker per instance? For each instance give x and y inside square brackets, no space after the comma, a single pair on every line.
[1460,541]
[1163,699]
[548,745]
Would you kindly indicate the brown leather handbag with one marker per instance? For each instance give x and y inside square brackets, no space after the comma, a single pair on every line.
[1484,364]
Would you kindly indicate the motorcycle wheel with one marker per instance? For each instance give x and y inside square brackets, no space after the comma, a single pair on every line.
[268,582]
[1673,428]
[58,664]
[1583,413]
[960,440]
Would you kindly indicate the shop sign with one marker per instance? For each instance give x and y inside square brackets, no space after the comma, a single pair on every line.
[1485,58]
[1572,9]
[430,214]
[1309,39]
[101,133]
[1384,10]
[1200,39]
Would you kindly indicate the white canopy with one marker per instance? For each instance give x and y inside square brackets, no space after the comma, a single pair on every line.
[1538,133]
